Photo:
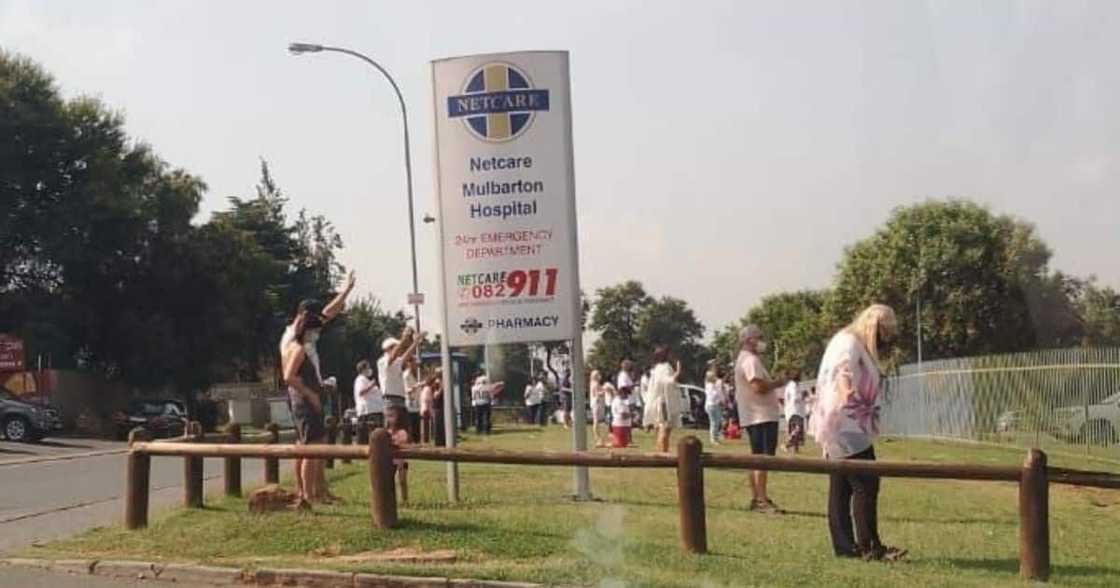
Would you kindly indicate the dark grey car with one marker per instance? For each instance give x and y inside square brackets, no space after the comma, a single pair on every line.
[24,422]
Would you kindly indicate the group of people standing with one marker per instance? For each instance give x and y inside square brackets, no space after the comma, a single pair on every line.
[843,418]
[652,401]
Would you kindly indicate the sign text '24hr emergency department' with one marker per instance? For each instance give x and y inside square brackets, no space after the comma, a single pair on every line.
[506,200]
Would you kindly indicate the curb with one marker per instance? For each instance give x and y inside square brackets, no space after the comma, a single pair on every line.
[219,576]
[67,457]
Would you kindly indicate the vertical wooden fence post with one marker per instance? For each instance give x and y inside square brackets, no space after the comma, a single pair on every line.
[383,495]
[272,464]
[347,437]
[192,469]
[332,437]
[232,465]
[138,484]
[1034,518]
[690,495]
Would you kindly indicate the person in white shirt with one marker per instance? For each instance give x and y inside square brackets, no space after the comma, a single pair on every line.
[367,396]
[794,406]
[625,381]
[535,401]
[621,418]
[412,385]
[598,395]
[482,397]
[713,404]
[390,367]
[845,424]
[756,395]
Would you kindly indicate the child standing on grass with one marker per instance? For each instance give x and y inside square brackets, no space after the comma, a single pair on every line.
[397,426]
[621,412]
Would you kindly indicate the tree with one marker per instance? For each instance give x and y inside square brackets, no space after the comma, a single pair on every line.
[669,321]
[1099,311]
[982,279]
[794,326]
[615,316]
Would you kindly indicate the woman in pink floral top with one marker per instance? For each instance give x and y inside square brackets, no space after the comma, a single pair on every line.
[845,423]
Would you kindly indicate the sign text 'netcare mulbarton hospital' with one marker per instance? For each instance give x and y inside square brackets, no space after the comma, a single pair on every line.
[506,199]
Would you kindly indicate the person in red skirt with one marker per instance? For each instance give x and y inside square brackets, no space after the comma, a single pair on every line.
[621,418]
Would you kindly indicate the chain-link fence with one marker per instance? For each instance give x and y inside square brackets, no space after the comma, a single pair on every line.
[1062,400]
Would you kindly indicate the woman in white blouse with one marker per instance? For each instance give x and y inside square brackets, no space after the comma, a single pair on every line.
[663,411]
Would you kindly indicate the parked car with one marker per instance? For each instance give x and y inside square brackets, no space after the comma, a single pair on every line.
[692,406]
[25,422]
[1098,423]
[161,418]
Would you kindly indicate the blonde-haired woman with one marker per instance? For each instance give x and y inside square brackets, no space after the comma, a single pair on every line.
[598,394]
[845,424]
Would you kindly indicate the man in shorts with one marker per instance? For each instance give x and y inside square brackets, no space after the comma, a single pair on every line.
[756,396]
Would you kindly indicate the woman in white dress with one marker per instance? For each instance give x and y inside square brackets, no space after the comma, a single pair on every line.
[598,395]
[663,409]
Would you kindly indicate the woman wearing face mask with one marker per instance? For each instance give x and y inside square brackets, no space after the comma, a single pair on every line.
[845,423]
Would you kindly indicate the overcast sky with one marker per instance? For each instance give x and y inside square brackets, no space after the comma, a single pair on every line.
[724,150]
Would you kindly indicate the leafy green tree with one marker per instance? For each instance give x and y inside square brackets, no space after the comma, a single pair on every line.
[983,281]
[615,315]
[1099,311]
[670,321]
[794,326]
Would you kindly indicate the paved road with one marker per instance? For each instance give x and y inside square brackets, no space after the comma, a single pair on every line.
[31,578]
[78,484]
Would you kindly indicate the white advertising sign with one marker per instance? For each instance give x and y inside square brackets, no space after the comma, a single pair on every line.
[506,197]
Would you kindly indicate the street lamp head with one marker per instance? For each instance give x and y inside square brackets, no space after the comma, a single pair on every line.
[298,48]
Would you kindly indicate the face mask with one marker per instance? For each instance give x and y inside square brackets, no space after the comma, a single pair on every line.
[761,346]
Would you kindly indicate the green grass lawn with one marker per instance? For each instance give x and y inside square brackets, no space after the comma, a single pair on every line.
[519,523]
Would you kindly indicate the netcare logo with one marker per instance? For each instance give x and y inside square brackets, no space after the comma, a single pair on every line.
[498,102]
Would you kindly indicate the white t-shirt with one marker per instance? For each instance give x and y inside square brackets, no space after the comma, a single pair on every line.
[624,380]
[713,394]
[364,389]
[391,376]
[481,394]
[846,426]
[754,408]
[620,412]
[792,404]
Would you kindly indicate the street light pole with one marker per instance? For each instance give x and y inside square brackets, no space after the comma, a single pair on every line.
[300,48]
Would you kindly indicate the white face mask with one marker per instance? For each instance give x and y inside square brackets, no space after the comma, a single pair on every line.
[761,346]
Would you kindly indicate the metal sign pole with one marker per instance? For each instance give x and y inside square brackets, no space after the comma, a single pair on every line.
[579,378]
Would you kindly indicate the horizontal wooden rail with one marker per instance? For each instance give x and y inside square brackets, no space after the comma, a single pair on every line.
[945,471]
[252,450]
[547,458]
[928,470]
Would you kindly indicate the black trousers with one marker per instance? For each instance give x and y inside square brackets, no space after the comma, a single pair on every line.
[482,419]
[536,414]
[854,497]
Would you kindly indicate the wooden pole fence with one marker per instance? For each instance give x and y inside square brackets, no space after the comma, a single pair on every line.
[690,495]
[383,494]
[1034,518]
[138,484]
[192,468]
[1034,477]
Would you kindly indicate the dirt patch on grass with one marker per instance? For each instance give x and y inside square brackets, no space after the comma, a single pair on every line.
[399,555]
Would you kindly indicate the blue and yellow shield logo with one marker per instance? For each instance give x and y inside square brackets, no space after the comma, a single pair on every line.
[498,102]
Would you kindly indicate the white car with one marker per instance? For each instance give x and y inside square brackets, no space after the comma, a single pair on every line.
[1098,423]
